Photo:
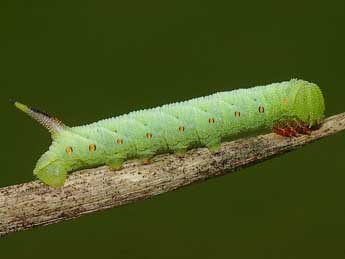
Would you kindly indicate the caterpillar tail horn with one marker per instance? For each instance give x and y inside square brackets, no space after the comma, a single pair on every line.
[52,124]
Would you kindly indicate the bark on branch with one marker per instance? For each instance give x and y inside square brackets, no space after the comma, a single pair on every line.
[32,204]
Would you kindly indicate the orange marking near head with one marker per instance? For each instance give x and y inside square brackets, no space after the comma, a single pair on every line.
[69,150]
[92,147]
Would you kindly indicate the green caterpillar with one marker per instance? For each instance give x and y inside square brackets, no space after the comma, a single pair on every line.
[290,107]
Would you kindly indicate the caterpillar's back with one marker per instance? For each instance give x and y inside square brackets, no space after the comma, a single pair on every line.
[290,108]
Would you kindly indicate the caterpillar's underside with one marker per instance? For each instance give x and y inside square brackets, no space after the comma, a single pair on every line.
[290,108]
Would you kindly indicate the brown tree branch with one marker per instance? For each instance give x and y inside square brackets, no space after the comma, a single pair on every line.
[32,204]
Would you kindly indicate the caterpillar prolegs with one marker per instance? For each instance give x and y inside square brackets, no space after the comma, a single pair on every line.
[289,108]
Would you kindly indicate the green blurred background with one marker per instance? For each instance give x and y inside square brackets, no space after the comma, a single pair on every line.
[87,60]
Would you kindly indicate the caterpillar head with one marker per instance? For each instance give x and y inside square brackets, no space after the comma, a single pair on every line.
[308,103]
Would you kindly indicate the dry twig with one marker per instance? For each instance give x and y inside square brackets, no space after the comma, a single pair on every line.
[25,206]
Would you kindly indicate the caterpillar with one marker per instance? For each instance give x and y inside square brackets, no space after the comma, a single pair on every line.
[290,108]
